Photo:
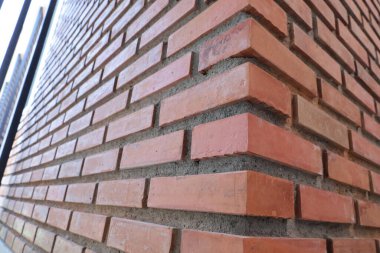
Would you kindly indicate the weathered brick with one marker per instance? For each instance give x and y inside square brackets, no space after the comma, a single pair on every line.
[248,134]
[358,92]
[162,149]
[135,236]
[364,148]
[241,193]
[88,225]
[51,172]
[71,168]
[369,214]
[315,205]
[353,245]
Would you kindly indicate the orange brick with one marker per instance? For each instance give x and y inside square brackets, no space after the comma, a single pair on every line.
[357,91]
[59,218]
[347,172]
[162,149]
[241,193]
[369,81]
[129,193]
[221,11]
[131,123]
[315,205]
[80,193]
[339,103]
[135,236]
[241,83]
[375,179]
[248,38]
[204,242]
[103,162]
[314,119]
[364,148]
[369,214]
[88,225]
[248,134]
[111,107]
[91,139]
[62,245]
[301,10]
[164,78]
[324,11]
[353,245]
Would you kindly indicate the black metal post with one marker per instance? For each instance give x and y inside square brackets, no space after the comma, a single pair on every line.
[25,89]
[13,42]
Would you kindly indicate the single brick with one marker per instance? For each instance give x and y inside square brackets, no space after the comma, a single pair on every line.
[178,12]
[71,169]
[324,12]
[301,10]
[111,107]
[103,162]
[193,241]
[88,225]
[27,209]
[164,78]
[219,13]
[248,38]
[51,173]
[339,103]
[59,218]
[314,119]
[364,148]
[162,149]
[315,205]
[56,192]
[135,236]
[371,126]
[375,179]
[241,193]
[128,193]
[107,52]
[91,139]
[44,239]
[80,124]
[103,91]
[353,245]
[244,82]
[131,123]
[80,193]
[358,92]
[29,231]
[248,134]
[18,245]
[40,192]
[120,59]
[62,245]
[128,16]
[369,214]
[368,80]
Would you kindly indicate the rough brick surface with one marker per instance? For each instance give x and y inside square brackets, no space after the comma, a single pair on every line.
[201,126]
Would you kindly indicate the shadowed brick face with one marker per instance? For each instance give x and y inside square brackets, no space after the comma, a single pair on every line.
[201,126]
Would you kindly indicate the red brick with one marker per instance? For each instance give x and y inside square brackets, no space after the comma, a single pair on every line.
[56,192]
[357,30]
[204,242]
[40,192]
[369,214]
[248,134]
[135,236]
[358,92]
[18,245]
[80,124]
[18,225]
[40,213]
[71,169]
[48,155]
[314,119]
[240,83]
[59,218]
[88,225]
[324,12]
[67,102]
[347,172]
[66,149]
[91,139]
[162,149]
[27,209]
[131,123]
[301,10]
[88,85]
[248,38]
[128,193]
[339,8]
[164,78]
[111,107]
[339,103]
[364,148]
[145,62]
[60,135]
[121,8]
[44,239]
[128,16]
[241,193]
[375,178]
[98,163]
[74,111]
[120,59]
[315,205]
[51,172]
[371,126]
[330,40]
[10,238]
[178,12]
[107,52]
[64,246]
[29,231]
[369,81]
[147,16]
[81,193]
[353,245]
[305,44]
[219,13]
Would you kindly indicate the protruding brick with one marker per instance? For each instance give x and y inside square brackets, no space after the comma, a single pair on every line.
[316,205]
[135,236]
[242,193]
[248,134]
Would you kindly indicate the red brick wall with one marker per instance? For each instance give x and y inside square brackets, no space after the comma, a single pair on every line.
[195,126]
